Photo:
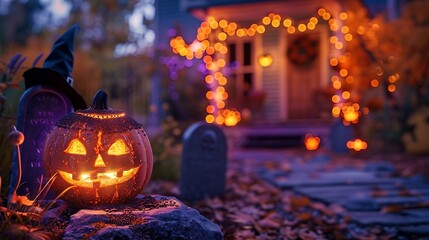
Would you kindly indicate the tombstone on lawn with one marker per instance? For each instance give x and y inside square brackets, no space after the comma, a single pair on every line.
[49,96]
[203,164]
[340,135]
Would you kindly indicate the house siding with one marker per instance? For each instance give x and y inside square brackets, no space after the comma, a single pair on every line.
[197,4]
[171,14]
[271,76]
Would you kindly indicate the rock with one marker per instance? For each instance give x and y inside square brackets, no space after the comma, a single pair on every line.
[56,219]
[146,217]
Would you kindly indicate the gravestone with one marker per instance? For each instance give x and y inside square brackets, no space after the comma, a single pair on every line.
[203,163]
[340,135]
[49,96]
[39,109]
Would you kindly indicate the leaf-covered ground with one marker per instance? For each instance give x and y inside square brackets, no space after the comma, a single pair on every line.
[254,209]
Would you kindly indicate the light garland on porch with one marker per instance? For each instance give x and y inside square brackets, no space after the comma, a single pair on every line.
[210,46]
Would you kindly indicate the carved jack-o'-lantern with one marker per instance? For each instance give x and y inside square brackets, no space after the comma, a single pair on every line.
[104,154]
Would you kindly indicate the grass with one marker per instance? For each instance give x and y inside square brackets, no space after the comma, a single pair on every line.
[21,217]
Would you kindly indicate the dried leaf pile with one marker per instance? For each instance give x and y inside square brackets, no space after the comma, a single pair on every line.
[255,209]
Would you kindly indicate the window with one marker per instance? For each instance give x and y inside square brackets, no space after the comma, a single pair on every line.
[232,52]
[247,54]
[241,65]
[247,83]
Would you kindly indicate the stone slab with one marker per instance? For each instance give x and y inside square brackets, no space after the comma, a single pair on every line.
[333,178]
[419,230]
[294,182]
[363,192]
[399,200]
[341,194]
[353,188]
[390,219]
[417,211]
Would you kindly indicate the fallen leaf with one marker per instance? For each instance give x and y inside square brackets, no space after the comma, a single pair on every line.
[308,234]
[241,218]
[269,223]
[337,208]
[215,203]
[379,193]
[251,211]
[298,201]
[392,209]
[273,220]
[218,216]
[304,216]
[290,223]
[244,234]
[23,200]
[290,233]
[406,193]
[322,208]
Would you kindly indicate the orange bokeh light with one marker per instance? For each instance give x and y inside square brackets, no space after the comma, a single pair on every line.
[375,83]
[350,114]
[357,145]
[210,118]
[311,142]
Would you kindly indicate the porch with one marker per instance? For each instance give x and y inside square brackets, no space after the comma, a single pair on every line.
[288,134]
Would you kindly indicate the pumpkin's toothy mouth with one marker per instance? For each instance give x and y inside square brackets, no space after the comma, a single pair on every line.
[102,179]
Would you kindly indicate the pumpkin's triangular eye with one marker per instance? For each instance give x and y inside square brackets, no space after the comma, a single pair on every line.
[76,147]
[119,147]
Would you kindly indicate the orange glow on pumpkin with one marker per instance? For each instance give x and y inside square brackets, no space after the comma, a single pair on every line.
[102,116]
[76,147]
[118,148]
[102,179]
[99,162]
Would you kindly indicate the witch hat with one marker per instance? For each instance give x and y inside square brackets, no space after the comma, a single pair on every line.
[57,68]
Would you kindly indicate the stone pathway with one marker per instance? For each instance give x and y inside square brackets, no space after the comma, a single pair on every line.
[370,192]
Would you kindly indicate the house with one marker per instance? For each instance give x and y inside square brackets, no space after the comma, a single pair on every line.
[301,39]
[290,88]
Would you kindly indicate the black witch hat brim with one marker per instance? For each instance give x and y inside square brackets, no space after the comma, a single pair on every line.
[51,78]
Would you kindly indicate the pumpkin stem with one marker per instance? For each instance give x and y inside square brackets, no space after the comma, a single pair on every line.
[100,101]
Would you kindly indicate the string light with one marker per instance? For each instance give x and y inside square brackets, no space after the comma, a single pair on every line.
[210,46]
[374,83]
[357,145]
[311,142]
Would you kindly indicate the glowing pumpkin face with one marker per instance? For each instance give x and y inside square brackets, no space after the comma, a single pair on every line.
[104,155]
[98,177]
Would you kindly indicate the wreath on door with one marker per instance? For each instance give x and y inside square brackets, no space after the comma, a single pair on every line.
[303,50]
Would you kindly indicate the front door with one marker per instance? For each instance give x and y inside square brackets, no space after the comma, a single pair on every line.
[303,75]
